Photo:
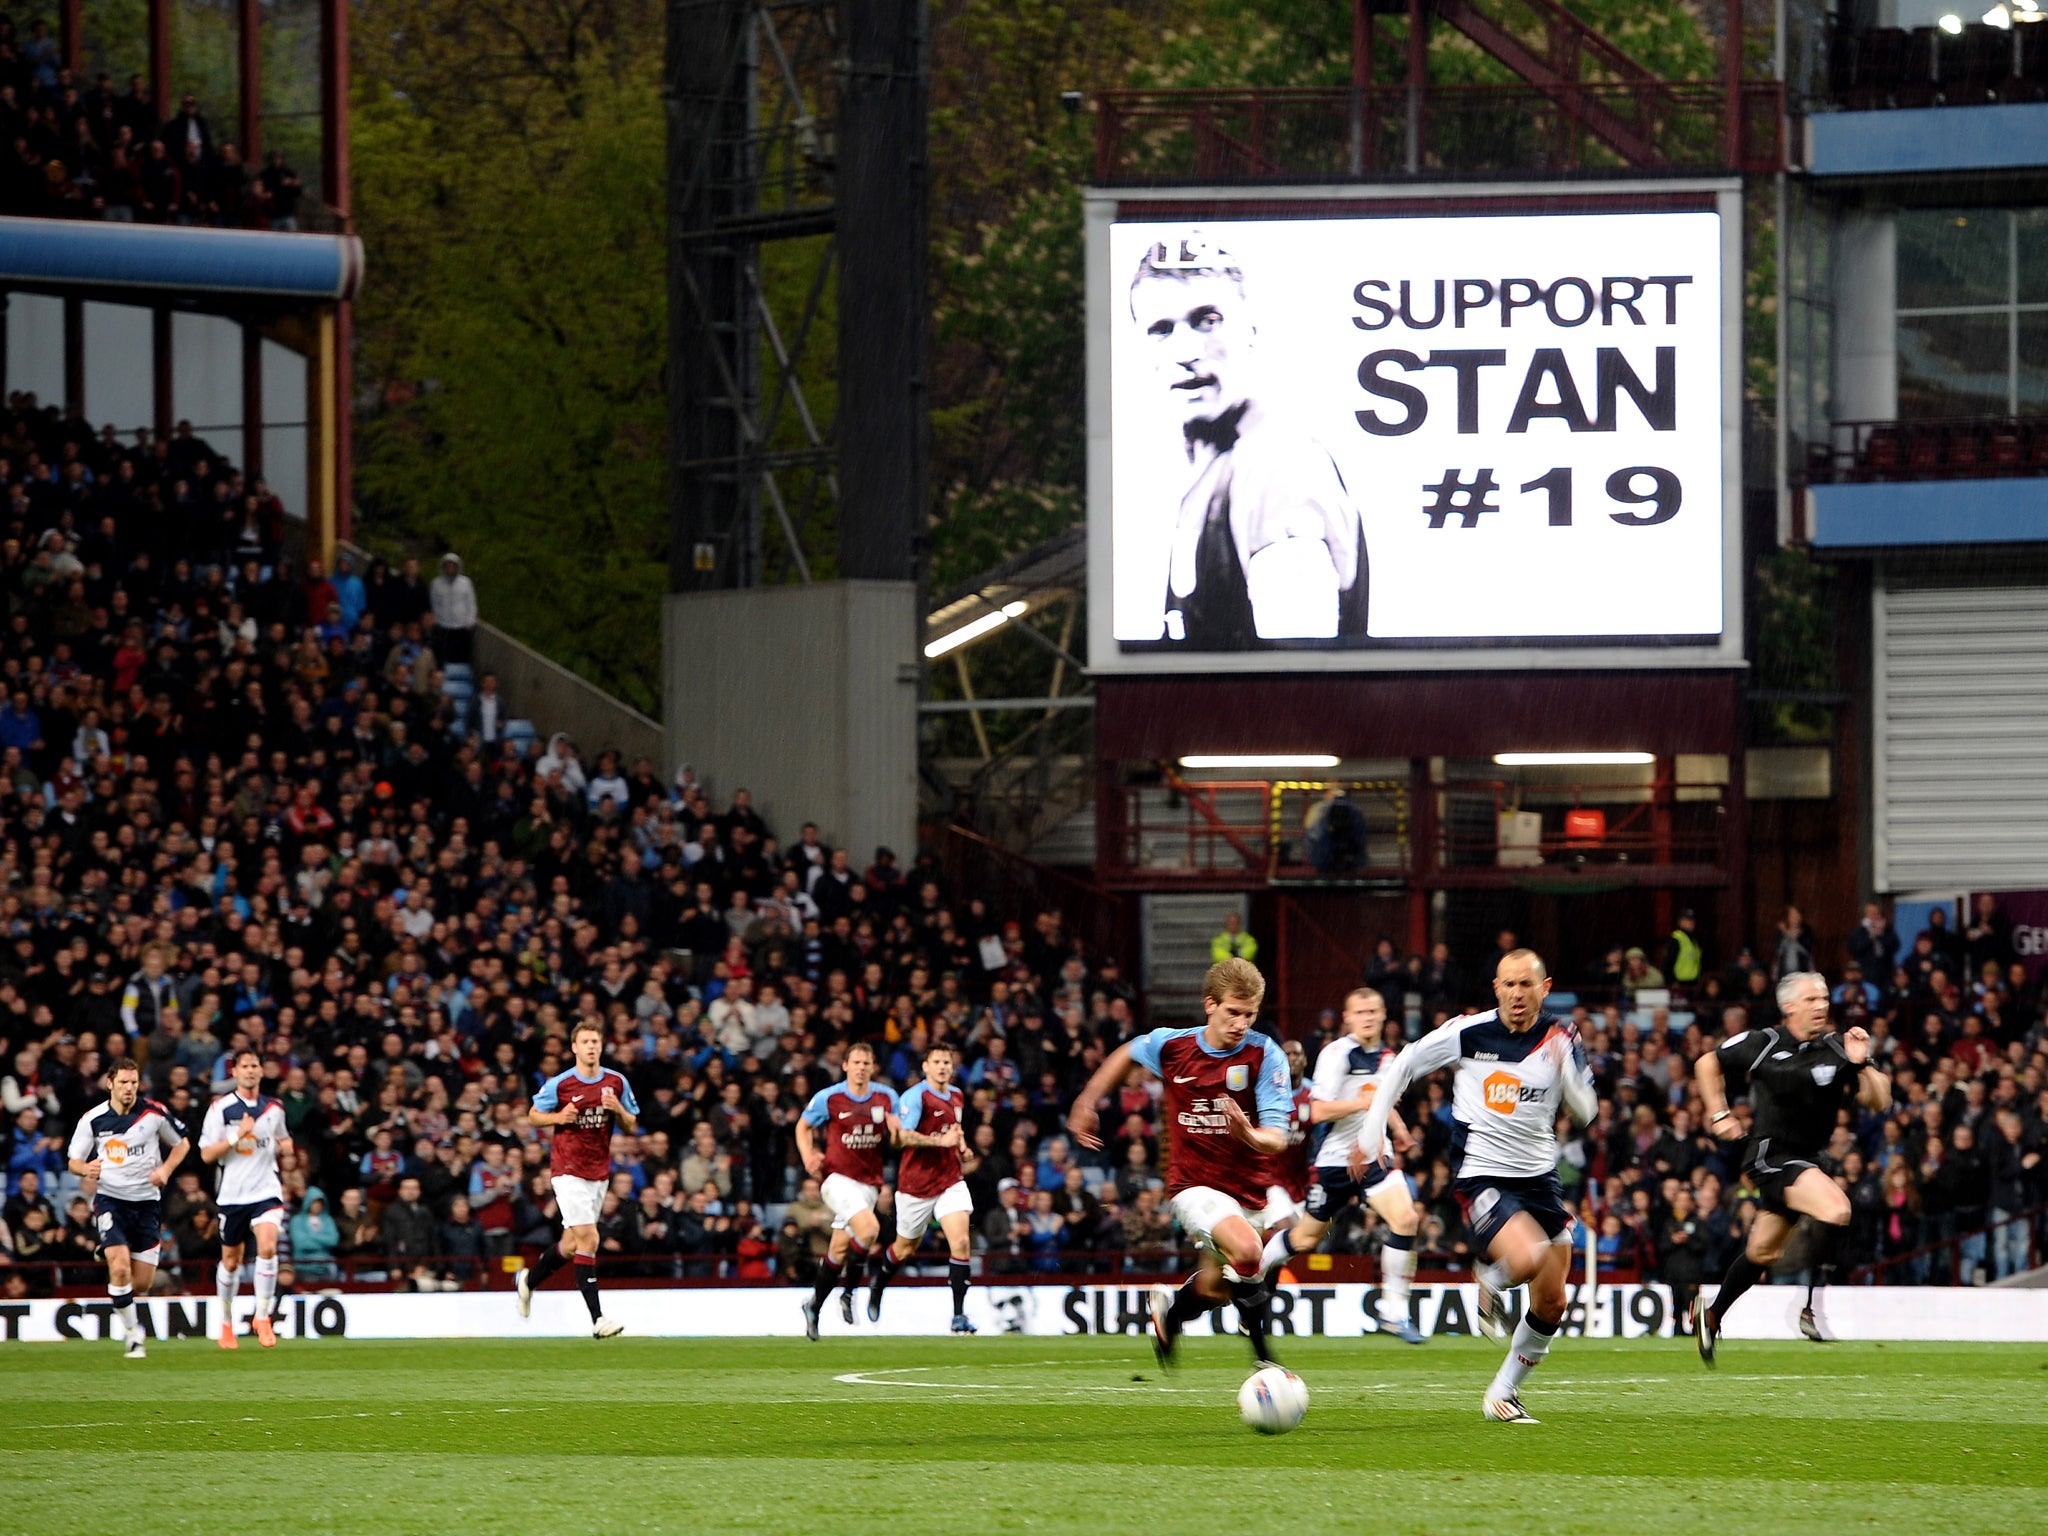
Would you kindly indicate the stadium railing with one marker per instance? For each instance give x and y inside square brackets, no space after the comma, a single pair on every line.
[1941,1262]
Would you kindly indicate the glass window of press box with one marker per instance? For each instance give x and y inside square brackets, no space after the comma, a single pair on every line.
[1972,312]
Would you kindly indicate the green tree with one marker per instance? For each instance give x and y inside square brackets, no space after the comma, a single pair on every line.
[509,173]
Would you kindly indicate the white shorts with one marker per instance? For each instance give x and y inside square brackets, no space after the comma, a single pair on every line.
[581,1200]
[1280,1207]
[915,1212]
[1199,1210]
[846,1197]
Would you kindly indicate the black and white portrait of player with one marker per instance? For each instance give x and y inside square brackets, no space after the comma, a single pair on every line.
[1266,543]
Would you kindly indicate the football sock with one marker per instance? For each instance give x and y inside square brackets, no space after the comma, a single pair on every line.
[1531,1344]
[225,1283]
[123,1300]
[1397,1268]
[1253,1312]
[828,1277]
[586,1282]
[266,1285]
[881,1270]
[1827,1243]
[855,1266]
[1188,1304]
[1742,1274]
[956,1276]
[1496,1276]
[551,1259]
[1278,1251]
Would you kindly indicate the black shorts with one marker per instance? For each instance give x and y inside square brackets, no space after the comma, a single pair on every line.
[236,1220]
[1774,1179]
[136,1225]
[1489,1202]
[1331,1189]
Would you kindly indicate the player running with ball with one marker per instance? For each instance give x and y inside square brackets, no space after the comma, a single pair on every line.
[930,1182]
[1346,1081]
[1228,1102]
[581,1105]
[1514,1064]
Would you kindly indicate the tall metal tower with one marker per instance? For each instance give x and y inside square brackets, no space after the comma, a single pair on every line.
[796,120]
[796,196]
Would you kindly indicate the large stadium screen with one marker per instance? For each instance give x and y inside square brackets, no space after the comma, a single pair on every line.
[1415,439]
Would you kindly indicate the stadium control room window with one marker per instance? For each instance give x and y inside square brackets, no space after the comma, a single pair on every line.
[1973,312]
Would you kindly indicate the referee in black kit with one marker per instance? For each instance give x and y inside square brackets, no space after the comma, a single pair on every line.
[1800,1075]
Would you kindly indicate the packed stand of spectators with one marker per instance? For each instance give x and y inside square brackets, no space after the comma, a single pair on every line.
[1954,1016]
[77,151]
[243,807]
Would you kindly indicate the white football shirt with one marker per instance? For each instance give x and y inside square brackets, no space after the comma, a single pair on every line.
[249,1173]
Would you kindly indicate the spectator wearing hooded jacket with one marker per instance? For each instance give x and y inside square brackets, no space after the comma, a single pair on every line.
[454,598]
[350,592]
[315,1236]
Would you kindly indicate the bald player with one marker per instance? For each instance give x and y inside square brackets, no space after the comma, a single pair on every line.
[1515,1063]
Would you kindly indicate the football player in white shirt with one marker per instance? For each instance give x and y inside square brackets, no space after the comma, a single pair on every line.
[1515,1063]
[245,1132]
[131,1145]
[1343,1087]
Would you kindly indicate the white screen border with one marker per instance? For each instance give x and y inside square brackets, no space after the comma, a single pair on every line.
[1106,657]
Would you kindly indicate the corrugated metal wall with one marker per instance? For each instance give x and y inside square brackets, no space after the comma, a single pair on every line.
[1960,736]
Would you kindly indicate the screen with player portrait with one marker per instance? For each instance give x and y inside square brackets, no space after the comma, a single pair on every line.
[1369,440]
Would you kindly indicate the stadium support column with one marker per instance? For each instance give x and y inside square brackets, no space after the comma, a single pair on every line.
[714,336]
[249,37]
[327,409]
[882,389]
[160,56]
[252,399]
[74,355]
[161,404]
[335,190]
[1865,293]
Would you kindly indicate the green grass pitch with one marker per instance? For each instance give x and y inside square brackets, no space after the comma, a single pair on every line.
[1014,1434]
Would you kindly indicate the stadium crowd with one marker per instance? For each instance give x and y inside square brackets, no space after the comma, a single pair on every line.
[243,806]
[69,150]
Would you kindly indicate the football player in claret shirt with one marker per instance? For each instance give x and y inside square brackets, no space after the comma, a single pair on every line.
[930,1182]
[858,1122]
[1515,1064]
[1342,1089]
[581,1105]
[245,1132]
[132,1145]
[1228,1102]
[1800,1076]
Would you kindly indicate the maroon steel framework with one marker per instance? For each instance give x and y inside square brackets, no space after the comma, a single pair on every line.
[1583,105]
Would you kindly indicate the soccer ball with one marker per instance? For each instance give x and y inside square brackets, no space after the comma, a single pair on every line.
[1272,1400]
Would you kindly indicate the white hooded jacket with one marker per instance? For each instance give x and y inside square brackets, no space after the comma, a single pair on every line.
[453,597]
